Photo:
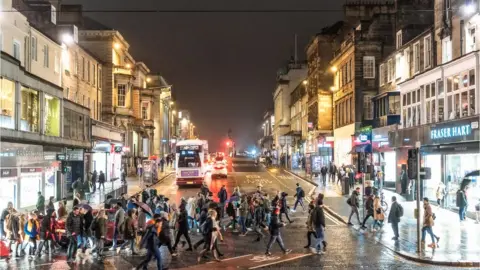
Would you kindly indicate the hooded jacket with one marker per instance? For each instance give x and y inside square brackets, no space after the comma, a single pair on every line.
[74,224]
[31,229]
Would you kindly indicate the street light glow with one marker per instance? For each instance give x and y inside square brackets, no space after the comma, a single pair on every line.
[128,65]
[332,88]
[67,39]
[305,82]
[116,45]
[171,102]
[468,9]
[334,69]
[149,80]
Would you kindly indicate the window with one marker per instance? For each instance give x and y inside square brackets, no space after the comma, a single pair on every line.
[470,39]
[382,73]
[88,71]
[427,49]
[447,11]
[144,110]
[367,107]
[56,63]
[391,71]
[399,39]
[122,93]
[368,67]
[446,50]
[99,110]
[76,64]
[94,79]
[440,87]
[394,105]
[46,55]
[441,108]
[416,57]
[407,62]
[34,48]
[52,116]
[16,49]
[398,66]
[99,79]
[7,103]
[94,107]
[83,67]
[30,110]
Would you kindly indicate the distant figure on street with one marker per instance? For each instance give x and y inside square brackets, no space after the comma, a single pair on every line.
[162,164]
[323,172]
[94,181]
[41,203]
[299,195]
[139,169]
[332,171]
[101,180]
[394,217]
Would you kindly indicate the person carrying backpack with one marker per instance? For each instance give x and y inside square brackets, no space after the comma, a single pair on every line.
[396,212]
[317,219]
[354,204]
[462,203]
[300,194]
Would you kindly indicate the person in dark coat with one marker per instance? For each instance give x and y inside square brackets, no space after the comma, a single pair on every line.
[93,181]
[394,217]
[284,207]
[151,242]
[208,231]
[222,197]
[129,232]
[99,227]
[87,224]
[275,235]
[101,180]
[45,231]
[41,203]
[165,234]
[317,219]
[74,228]
[50,204]
[204,189]
[369,208]
[183,228]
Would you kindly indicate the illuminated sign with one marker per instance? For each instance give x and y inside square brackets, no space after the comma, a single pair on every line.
[450,132]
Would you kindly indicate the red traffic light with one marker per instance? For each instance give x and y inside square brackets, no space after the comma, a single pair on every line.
[228,143]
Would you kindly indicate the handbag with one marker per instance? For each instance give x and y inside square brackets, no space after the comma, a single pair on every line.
[379,211]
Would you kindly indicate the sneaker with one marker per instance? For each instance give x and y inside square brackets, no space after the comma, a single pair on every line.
[287,251]
[438,239]
[111,249]
[268,253]
[118,250]
[243,234]
[350,224]
[249,229]
[320,252]
[235,231]
[174,254]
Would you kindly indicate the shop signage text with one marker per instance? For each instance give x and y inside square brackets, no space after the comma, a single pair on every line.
[449,132]
[31,170]
[8,173]
[63,157]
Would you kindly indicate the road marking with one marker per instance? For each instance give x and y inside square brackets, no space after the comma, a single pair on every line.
[232,258]
[334,220]
[281,261]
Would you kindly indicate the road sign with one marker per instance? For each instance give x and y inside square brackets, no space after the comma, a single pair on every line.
[412,163]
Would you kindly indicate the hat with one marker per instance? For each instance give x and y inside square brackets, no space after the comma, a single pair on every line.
[259,185]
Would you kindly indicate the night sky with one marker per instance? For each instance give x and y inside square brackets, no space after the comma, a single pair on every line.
[222,65]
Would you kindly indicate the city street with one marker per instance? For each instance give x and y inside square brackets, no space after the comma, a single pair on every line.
[346,248]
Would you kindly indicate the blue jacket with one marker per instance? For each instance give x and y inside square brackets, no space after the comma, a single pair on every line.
[31,228]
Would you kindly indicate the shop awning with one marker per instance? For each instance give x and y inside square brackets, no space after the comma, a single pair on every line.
[361,148]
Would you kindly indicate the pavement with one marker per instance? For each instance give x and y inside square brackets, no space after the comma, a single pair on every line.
[347,249]
[459,242]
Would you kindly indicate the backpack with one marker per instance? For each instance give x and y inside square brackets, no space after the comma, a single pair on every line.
[349,201]
[400,210]
[302,193]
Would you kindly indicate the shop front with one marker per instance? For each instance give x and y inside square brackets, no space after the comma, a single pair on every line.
[343,145]
[107,150]
[385,157]
[325,150]
[451,149]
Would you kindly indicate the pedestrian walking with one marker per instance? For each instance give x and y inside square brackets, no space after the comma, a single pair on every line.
[139,169]
[183,228]
[462,203]
[332,171]
[101,181]
[3,217]
[310,230]
[119,224]
[378,214]
[284,207]
[129,233]
[275,236]
[370,210]
[440,194]
[162,164]
[222,196]
[151,242]
[93,181]
[428,223]
[32,229]
[258,218]
[299,195]
[165,235]
[40,203]
[74,226]
[232,214]
[323,173]
[354,203]
[99,227]
[243,213]
[396,212]
[45,233]
[318,224]
[51,204]
[208,233]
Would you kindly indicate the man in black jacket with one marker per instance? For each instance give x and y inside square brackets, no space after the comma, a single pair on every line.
[354,204]
[258,217]
[317,217]
[394,217]
[369,208]
[101,180]
[75,232]
[284,207]
[183,228]
[222,196]
[275,235]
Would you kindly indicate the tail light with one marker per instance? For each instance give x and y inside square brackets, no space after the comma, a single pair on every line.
[218,167]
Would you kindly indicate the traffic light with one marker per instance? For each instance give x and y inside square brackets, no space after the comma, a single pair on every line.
[228,143]
[361,162]
[412,163]
[64,167]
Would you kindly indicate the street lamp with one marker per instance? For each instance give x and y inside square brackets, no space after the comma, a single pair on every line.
[171,103]
[305,82]
[333,69]
[332,88]
[67,39]
[116,45]
[148,79]
[468,9]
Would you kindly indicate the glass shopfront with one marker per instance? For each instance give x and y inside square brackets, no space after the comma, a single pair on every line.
[52,116]
[8,192]
[30,110]
[456,167]
[7,103]
[31,184]
[431,185]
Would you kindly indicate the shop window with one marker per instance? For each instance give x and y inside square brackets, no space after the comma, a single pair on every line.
[367,107]
[394,105]
[419,93]
[472,101]
[404,100]
[416,57]
[382,73]
[7,103]
[369,67]
[441,109]
[456,106]
[440,87]
[144,110]
[427,113]
[391,71]
[451,114]
[52,116]
[409,98]
[409,117]
[30,110]
[398,66]
[464,103]
[449,84]
[456,82]
[472,77]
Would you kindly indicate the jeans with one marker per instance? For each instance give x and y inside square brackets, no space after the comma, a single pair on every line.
[2,231]
[324,180]
[395,228]
[131,242]
[278,239]
[429,230]
[286,214]
[299,200]
[32,244]
[366,218]
[152,252]
[320,237]
[354,211]
[192,222]
[48,245]
[310,234]
[75,242]
[115,235]
[242,223]
[222,209]
[101,184]
[268,218]
[461,213]
[99,246]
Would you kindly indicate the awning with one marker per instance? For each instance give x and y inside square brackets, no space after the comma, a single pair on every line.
[366,148]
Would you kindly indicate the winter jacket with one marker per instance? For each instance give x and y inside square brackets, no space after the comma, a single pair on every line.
[258,215]
[4,215]
[74,224]
[204,190]
[274,226]
[354,202]
[129,228]
[309,222]
[101,178]
[427,216]
[165,234]
[45,227]
[41,203]
[183,220]
[87,222]
[376,206]
[31,229]
[369,205]
[462,199]
[231,210]
[100,227]
[298,193]
[150,239]
[284,207]
[394,215]
[12,227]
[243,209]
[120,219]
[222,195]
[317,217]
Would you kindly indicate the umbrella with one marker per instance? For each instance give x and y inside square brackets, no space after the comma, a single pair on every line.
[145,207]
[234,198]
[85,206]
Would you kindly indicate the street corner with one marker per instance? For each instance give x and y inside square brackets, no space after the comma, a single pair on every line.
[336,215]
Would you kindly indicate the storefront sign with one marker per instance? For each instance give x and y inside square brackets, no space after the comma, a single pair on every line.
[8,173]
[63,157]
[31,170]
[450,132]
[75,154]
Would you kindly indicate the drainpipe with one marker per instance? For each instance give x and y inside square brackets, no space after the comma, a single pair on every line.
[462,34]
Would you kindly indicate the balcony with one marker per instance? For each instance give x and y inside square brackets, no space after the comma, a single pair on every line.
[148,123]
[122,70]
[123,111]
[386,120]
